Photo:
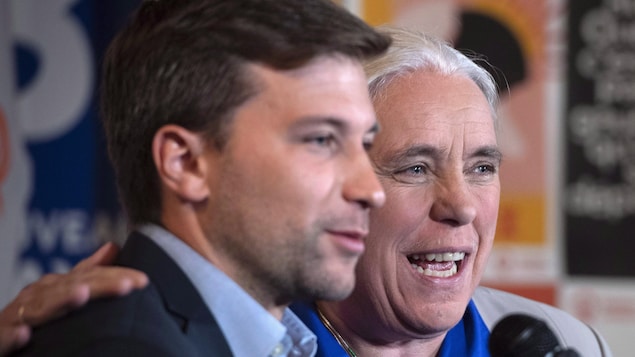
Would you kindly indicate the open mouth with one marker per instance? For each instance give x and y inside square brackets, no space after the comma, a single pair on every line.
[440,265]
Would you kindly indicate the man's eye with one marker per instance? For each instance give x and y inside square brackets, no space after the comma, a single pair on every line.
[483,172]
[322,140]
[416,170]
[412,174]
[485,169]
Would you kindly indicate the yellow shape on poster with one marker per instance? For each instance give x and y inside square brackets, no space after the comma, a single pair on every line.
[521,220]
[377,12]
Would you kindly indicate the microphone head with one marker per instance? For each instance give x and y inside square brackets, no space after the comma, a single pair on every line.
[520,335]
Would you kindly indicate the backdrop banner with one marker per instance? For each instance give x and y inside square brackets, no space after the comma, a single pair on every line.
[58,200]
[599,128]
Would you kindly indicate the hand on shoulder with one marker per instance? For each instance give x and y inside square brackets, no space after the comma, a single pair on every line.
[54,295]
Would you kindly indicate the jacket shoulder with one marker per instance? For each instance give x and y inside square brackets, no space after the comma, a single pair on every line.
[493,305]
[136,324]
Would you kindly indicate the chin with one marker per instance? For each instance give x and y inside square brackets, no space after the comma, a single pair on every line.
[439,324]
[439,318]
[342,290]
[331,286]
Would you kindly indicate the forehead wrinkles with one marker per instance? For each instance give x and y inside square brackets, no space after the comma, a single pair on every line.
[447,112]
[440,140]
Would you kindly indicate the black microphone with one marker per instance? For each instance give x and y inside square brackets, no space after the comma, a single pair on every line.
[519,335]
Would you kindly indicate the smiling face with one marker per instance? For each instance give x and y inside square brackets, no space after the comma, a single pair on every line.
[438,161]
[292,189]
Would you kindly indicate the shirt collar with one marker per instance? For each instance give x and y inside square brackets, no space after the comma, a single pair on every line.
[249,329]
[468,338]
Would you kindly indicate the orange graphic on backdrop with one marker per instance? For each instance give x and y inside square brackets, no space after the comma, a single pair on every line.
[4,153]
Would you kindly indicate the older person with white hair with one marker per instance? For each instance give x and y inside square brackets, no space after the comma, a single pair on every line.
[417,291]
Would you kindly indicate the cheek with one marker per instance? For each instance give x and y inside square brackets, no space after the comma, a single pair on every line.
[299,184]
[394,223]
[489,202]
[402,213]
[486,220]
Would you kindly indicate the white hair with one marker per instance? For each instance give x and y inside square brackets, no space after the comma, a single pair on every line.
[411,51]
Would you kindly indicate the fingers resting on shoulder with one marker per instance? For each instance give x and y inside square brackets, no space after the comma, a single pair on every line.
[56,294]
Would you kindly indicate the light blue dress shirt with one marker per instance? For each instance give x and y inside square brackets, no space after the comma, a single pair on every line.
[249,329]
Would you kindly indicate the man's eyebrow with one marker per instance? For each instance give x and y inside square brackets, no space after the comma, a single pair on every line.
[339,123]
[433,152]
[417,150]
[491,152]
[321,120]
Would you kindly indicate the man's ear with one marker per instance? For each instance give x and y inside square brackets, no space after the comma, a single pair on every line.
[178,157]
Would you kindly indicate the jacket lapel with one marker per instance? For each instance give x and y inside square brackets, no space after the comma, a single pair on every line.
[178,293]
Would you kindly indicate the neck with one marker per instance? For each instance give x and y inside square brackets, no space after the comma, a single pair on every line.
[356,343]
[186,226]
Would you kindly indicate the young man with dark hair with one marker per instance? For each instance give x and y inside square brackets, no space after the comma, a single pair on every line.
[238,132]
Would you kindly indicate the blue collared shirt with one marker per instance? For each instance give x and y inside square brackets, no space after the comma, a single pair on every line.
[249,329]
[468,338]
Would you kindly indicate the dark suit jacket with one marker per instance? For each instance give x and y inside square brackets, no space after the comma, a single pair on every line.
[168,318]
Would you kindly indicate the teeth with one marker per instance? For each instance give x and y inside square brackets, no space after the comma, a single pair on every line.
[436,273]
[441,257]
[453,256]
[437,257]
